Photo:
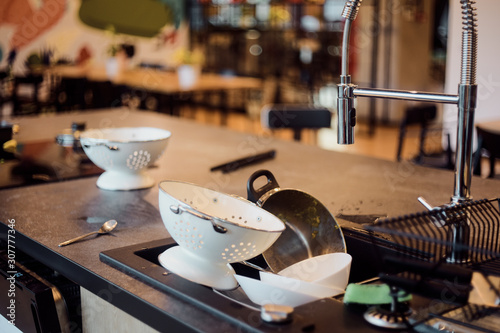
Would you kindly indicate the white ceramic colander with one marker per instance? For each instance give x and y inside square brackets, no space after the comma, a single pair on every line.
[125,153]
[212,230]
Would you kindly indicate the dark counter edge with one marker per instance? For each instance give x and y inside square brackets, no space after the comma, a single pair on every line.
[146,312]
[152,315]
[124,300]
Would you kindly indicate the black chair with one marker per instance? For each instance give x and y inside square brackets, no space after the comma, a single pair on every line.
[69,94]
[28,103]
[296,117]
[488,144]
[4,96]
[423,115]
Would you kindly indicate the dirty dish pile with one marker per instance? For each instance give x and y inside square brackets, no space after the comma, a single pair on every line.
[212,230]
[125,154]
[309,258]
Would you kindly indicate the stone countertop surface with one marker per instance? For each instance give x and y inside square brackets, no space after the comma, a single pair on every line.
[45,215]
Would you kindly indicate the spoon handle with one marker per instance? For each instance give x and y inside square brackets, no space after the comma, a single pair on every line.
[77,238]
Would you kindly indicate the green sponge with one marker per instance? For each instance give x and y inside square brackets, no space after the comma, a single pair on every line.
[371,294]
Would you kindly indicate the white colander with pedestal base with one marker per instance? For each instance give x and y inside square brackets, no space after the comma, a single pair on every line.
[212,230]
[125,154]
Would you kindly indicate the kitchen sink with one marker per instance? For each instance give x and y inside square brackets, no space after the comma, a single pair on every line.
[141,262]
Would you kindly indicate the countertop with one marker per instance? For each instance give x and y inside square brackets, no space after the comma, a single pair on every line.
[45,215]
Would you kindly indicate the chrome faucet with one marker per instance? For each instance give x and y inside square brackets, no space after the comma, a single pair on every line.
[465,99]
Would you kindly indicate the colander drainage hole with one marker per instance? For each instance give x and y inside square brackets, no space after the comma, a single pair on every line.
[138,159]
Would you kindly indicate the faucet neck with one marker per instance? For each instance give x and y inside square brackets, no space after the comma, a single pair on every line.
[466,99]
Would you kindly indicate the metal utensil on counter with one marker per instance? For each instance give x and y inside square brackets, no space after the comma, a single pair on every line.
[71,137]
[107,227]
[311,229]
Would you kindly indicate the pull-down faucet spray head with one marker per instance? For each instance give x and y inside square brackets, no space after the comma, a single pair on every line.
[346,113]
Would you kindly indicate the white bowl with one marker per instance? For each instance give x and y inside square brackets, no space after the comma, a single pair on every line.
[212,229]
[125,154]
[301,286]
[331,270]
[262,293]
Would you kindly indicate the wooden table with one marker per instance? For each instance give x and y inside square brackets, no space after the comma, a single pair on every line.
[491,126]
[156,80]
[164,84]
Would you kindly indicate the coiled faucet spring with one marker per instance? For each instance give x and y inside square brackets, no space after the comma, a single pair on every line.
[469,43]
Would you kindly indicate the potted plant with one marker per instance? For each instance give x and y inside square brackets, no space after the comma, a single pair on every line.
[189,63]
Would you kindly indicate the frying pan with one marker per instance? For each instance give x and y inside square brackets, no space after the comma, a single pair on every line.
[311,229]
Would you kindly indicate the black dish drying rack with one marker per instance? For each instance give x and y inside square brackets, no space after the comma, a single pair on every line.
[466,233]
[438,251]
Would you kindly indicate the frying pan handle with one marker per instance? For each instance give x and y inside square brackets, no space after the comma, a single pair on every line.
[253,193]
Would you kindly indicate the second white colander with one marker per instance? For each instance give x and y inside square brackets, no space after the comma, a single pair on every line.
[125,154]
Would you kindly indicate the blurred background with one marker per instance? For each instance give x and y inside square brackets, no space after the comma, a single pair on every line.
[293,46]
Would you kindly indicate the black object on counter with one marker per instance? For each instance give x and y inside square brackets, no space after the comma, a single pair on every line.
[43,162]
[5,135]
[245,161]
